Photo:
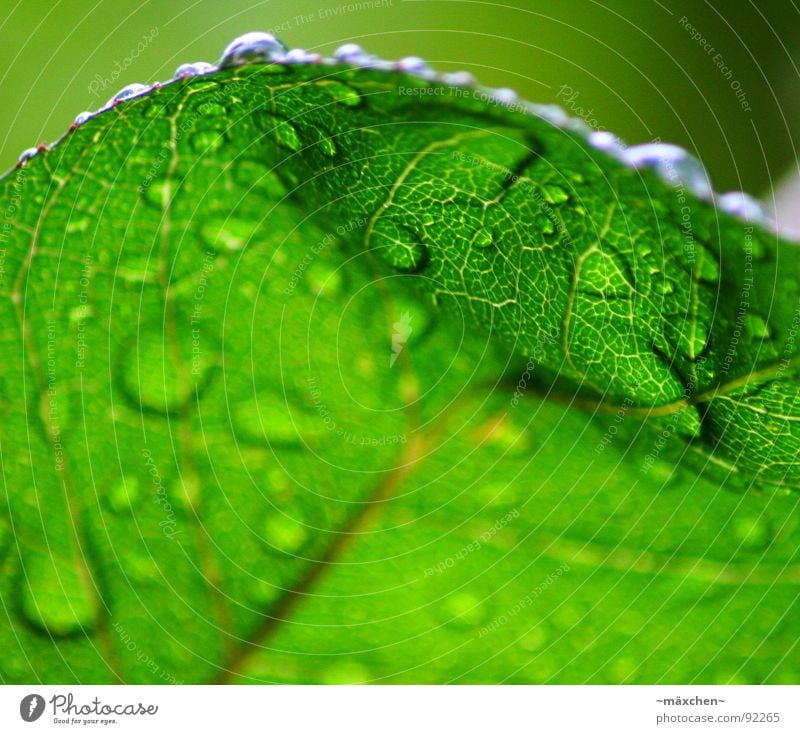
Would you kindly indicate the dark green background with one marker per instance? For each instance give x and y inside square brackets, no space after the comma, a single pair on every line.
[631,62]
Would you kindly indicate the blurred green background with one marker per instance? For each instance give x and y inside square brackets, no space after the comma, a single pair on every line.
[632,66]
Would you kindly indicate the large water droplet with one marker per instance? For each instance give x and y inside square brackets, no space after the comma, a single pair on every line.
[57,596]
[82,118]
[26,155]
[284,533]
[158,377]
[198,68]
[400,247]
[505,96]
[414,65]
[352,53]
[256,47]
[129,92]
[745,207]
[483,239]
[673,165]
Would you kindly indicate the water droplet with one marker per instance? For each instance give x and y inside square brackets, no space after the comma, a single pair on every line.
[505,96]
[544,224]
[198,68]
[343,94]
[284,533]
[261,592]
[413,65]
[753,533]
[577,125]
[286,134]
[662,285]
[26,155]
[605,141]
[56,595]
[156,192]
[227,234]
[463,610]
[459,79]
[161,378]
[352,53]
[552,113]
[301,56]
[82,118]
[673,165]
[756,326]
[323,277]
[745,207]
[398,246]
[327,147]
[256,47]
[483,239]
[129,92]
[554,194]
[124,494]
[271,418]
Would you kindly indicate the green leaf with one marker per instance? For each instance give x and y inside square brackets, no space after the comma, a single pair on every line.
[333,373]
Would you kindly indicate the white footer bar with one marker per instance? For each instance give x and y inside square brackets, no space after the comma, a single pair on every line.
[401,709]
